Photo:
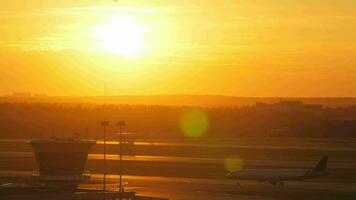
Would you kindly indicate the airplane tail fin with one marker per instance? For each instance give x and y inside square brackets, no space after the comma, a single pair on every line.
[321,166]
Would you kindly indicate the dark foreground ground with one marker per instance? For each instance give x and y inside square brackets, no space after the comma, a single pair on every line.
[197,171]
[193,188]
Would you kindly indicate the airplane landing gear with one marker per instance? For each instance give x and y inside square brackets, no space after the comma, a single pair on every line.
[238,184]
[277,183]
[273,183]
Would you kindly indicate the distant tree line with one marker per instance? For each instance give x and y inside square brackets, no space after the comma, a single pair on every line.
[44,120]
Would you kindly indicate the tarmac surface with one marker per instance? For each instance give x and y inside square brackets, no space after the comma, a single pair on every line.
[189,177]
[189,189]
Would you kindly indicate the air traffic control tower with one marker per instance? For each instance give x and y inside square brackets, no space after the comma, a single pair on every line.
[61,162]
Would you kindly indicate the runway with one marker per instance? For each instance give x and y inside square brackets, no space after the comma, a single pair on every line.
[197,160]
[350,147]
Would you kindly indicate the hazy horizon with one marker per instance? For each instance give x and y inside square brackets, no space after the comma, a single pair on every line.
[176,100]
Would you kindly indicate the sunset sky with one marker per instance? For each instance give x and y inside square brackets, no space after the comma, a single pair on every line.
[150,47]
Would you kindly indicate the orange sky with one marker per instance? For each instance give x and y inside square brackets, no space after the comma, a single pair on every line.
[241,48]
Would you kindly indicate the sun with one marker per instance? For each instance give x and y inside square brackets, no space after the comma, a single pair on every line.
[122,36]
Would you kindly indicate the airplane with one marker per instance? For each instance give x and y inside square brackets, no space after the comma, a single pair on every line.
[279,176]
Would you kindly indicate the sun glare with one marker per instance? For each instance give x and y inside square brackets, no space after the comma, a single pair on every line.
[122,36]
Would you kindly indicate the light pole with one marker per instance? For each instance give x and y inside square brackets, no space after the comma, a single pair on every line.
[104,124]
[120,124]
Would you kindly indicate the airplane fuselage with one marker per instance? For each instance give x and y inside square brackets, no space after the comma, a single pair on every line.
[273,176]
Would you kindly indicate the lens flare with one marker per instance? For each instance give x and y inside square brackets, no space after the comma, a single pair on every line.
[233,164]
[194,123]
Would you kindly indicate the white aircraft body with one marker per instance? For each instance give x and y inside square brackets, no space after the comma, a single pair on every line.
[279,176]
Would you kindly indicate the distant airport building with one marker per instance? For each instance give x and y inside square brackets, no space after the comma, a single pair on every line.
[40,95]
[290,106]
[21,94]
[61,162]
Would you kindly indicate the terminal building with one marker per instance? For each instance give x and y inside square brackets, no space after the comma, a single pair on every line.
[61,162]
